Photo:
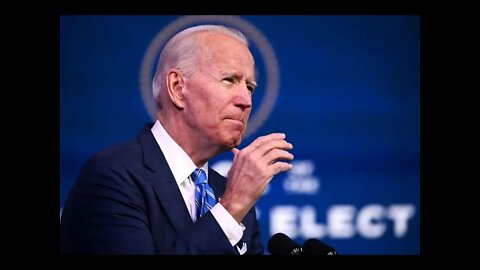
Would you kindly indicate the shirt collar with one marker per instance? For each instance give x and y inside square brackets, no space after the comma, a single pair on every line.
[179,162]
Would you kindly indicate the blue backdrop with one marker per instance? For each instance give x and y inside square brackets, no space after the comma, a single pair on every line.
[344,89]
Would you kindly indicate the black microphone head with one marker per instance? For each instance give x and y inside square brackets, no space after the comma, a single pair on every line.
[315,247]
[281,244]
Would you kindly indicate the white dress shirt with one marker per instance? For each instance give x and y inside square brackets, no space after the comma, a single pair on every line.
[182,167]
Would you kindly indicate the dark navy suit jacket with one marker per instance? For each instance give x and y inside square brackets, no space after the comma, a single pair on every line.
[126,201]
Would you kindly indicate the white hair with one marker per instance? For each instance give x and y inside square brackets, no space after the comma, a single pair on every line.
[180,52]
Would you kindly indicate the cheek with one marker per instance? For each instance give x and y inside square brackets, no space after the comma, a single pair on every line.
[207,112]
[247,113]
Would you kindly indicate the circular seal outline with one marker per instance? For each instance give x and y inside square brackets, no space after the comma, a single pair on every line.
[254,36]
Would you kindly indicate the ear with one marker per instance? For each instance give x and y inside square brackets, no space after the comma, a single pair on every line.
[175,87]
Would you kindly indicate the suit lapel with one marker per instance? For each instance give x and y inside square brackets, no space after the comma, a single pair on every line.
[163,181]
[217,182]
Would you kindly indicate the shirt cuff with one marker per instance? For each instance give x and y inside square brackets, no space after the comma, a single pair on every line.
[229,225]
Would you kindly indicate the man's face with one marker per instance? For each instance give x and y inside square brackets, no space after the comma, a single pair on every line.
[219,95]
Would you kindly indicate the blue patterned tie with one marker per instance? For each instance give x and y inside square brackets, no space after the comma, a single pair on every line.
[204,197]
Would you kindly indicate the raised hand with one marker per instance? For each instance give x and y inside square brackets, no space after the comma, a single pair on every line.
[252,169]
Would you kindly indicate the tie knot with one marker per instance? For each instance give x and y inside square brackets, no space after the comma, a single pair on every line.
[199,176]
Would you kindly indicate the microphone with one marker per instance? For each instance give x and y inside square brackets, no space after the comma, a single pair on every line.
[281,244]
[315,247]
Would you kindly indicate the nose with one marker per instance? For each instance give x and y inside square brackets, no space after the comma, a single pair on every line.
[243,97]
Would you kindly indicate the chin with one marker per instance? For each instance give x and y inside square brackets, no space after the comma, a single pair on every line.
[231,138]
[233,141]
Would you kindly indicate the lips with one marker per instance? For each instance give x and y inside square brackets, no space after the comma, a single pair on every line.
[236,120]
[235,117]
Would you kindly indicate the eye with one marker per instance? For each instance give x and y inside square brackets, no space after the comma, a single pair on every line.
[251,88]
[229,80]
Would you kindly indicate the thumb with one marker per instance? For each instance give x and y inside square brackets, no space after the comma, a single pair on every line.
[235,151]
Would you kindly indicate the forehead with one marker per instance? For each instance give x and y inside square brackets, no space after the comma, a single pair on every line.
[223,53]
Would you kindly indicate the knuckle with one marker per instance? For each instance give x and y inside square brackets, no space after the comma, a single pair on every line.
[240,156]
[262,139]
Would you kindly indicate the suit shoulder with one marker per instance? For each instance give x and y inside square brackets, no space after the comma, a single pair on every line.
[127,154]
[119,152]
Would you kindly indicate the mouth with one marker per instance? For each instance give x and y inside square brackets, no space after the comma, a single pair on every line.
[235,120]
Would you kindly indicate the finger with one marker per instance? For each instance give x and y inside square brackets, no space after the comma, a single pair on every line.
[279,167]
[277,154]
[262,140]
[275,144]
[263,146]
[235,151]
